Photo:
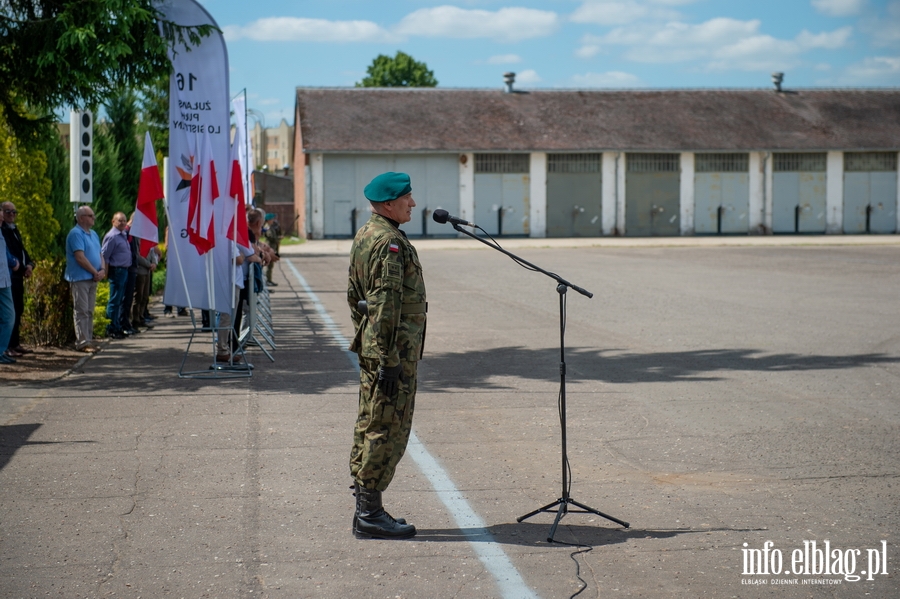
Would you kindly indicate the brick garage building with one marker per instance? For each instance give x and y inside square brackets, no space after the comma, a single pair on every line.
[594,163]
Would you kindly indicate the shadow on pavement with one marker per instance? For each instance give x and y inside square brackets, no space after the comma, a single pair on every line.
[475,368]
[15,436]
[534,534]
[12,437]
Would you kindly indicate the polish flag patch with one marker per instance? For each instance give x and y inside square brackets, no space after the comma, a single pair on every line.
[394,248]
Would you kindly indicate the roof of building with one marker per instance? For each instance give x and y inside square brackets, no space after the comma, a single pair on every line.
[455,120]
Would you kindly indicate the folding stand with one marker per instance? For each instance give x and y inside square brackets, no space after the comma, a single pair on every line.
[218,370]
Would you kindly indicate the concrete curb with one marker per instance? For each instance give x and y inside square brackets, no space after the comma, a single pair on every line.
[333,247]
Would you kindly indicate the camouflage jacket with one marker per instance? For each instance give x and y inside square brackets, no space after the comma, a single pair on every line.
[386,273]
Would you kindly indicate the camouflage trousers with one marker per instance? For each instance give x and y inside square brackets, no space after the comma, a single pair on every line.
[382,426]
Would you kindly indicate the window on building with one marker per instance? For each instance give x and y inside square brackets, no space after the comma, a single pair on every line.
[502,163]
[653,163]
[870,161]
[792,162]
[722,163]
[574,163]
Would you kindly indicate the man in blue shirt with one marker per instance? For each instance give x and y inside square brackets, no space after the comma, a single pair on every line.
[8,264]
[84,268]
[117,252]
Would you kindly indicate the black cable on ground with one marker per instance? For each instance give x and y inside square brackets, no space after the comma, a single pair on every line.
[582,549]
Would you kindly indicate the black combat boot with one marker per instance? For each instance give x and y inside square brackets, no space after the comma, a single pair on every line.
[371,521]
[355,487]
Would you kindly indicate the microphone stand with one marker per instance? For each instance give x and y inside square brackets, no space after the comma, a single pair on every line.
[562,504]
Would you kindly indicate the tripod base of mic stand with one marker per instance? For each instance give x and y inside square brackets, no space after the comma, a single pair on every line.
[563,509]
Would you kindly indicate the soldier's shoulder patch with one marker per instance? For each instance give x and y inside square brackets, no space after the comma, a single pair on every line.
[392,270]
[395,248]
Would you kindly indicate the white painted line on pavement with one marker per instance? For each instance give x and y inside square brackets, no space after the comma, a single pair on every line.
[491,554]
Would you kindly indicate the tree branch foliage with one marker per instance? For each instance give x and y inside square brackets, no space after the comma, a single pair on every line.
[23,182]
[400,71]
[77,53]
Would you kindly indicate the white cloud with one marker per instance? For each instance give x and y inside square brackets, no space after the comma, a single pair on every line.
[528,77]
[504,59]
[874,70]
[506,24]
[839,8]
[292,29]
[588,50]
[722,43]
[831,40]
[619,12]
[608,79]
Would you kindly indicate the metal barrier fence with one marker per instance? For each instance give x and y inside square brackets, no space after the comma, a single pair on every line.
[257,329]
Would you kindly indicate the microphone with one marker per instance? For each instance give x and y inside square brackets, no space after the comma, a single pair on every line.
[442,216]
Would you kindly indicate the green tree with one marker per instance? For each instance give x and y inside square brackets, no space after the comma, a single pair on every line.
[122,111]
[107,177]
[154,109]
[79,52]
[23,181]
[400,71]
[58,198]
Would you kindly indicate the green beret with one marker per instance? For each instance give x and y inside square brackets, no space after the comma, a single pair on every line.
[387,186]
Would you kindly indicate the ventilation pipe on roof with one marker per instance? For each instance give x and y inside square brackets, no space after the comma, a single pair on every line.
[777,78]
[509,78]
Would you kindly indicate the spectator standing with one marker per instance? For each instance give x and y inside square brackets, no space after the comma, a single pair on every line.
[16,247]
[8,265]
[143,285]
[117,253]
[85,267]
[225,343]
[254,227]
[273,236]
[134,245]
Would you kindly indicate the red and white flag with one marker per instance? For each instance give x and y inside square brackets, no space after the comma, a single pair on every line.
[145,225]
[204,191]
[237,228]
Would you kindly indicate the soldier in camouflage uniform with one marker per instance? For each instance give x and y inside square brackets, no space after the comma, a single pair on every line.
[386,293]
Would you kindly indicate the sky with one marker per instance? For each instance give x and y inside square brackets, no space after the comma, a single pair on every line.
[275,46]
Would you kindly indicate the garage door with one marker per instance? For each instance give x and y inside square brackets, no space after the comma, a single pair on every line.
[870,192]
[652,191]
[798,193]
[721,193]
[435,184]
[502,193]
[574,195]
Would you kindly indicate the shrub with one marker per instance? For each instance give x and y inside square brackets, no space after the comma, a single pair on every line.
[48,318]
[158,281]
[100,319]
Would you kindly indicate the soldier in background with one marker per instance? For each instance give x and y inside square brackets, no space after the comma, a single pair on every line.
[386,293]
[273,236]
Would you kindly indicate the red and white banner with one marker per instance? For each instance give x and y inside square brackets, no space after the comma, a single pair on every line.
[237,226]
[199,107]
[145,224]
[204,192]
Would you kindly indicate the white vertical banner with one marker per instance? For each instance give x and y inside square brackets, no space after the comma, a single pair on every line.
[198,104]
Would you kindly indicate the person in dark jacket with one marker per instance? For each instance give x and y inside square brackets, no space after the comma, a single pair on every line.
[16,247]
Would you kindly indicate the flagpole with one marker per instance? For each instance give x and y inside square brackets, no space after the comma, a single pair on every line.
[172,242]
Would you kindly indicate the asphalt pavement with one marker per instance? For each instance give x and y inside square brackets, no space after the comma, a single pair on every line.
[734,400]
